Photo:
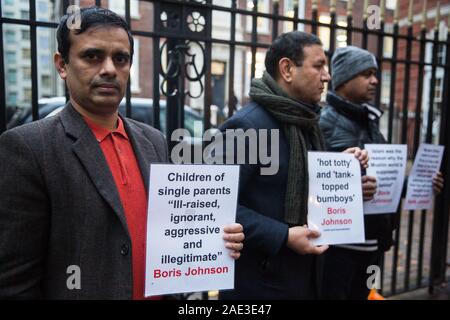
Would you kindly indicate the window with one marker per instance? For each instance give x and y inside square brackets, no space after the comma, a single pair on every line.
[288,12]
[438,90]
[262,24]
[10,2]
[10,36]
[43,42]
[10,57]
[42,7]
[385,86]
[11,76]
[388,45]
[118,6]
[134,71]
[46,81]
[341,34]
[27,95]
[24,14]
[26,53]
[44,61]
[8,14]
[324,32]
[25,34]
[11,99]
[391,4]
[26,73]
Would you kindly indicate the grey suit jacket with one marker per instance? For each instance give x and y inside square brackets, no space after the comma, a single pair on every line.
[59,207]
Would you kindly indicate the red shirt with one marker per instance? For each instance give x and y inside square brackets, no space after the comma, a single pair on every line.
[122,162]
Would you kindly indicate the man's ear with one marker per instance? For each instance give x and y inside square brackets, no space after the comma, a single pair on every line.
[285,69]
[60,65]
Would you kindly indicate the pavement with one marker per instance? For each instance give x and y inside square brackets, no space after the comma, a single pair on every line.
[441,292]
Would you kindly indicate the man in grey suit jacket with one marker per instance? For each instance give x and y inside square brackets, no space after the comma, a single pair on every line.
[61,208]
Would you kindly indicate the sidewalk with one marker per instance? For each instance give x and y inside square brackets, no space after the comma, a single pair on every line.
[440,293]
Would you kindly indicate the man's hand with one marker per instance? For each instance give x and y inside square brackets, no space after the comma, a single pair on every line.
[361,155]
[369,187]
[299,240]
[234,235]
[438,182]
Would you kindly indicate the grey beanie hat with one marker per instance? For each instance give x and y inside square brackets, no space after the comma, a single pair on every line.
[348,62]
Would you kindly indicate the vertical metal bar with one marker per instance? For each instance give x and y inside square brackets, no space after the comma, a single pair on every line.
[157,67]
[332,43]
[429,134]
[442,203]
[380,49]
[393,81]
[2,81]
[295,26]
[417,125]
[349,21]
[156,72]
[275,19]
[439,240]
[231,93]
[315,18]
[405,141]
[364,34]
[349,29]
[34,73]
[128,110]
[208,84]
[254,38]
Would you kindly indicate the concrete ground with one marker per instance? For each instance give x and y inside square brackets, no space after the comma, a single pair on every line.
[440,293]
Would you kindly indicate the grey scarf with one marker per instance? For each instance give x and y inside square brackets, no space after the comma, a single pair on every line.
[300,123]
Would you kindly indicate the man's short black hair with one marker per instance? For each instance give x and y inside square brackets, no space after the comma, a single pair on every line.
[90,17]
[289,45]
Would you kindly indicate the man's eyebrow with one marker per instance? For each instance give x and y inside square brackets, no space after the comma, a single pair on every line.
[92,51]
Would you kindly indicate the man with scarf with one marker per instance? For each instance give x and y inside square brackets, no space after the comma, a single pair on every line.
[279,261]
[348,120]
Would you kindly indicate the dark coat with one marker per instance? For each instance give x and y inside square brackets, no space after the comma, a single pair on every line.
[267,269]
[345,125]
[59,206]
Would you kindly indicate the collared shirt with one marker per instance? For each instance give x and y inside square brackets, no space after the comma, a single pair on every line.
[122,162]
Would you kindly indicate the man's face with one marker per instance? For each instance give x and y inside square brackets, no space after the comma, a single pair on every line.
[308,80]
[362,88]
[98,68]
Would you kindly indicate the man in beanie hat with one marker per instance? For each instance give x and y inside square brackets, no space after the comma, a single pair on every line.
[280,260]
[348,120]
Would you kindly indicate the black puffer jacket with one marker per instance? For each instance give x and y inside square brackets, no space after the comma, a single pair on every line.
[345,125]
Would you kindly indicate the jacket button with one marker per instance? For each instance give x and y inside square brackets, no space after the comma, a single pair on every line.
[124,250]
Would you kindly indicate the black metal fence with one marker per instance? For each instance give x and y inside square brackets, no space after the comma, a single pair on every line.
[205,52]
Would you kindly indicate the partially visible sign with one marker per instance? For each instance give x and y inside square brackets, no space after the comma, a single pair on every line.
[419,194]
[387,162]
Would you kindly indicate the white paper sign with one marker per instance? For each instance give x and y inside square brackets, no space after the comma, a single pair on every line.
[188,207]
[387,162]
[335,206]
[419,194]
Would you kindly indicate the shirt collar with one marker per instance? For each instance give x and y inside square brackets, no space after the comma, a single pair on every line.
[101,133]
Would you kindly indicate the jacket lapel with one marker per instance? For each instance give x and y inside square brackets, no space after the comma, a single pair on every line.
[88,151]
[143,148]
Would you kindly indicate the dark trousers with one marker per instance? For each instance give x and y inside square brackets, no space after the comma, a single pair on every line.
[345,273]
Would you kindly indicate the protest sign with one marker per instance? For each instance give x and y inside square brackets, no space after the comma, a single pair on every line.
[419,194]
[188,207]
[335,198]
[387,162]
